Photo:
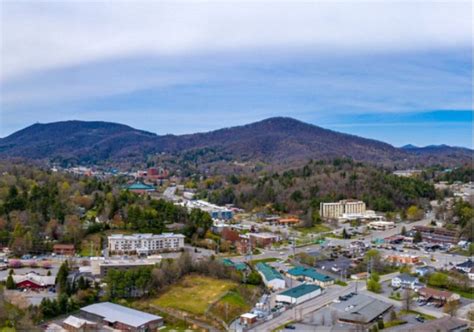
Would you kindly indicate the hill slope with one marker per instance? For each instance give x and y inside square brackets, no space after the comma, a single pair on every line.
[274,140]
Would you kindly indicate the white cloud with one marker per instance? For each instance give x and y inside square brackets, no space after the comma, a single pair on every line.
[47,35]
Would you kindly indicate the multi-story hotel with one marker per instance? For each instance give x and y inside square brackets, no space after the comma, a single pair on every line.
[336,210]
[145,243]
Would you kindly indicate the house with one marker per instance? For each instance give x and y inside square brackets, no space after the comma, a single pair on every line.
[438,295]
[299,294]
[33,280]
[310,275]
[466,266]
[248,319]
[424,270]
[405,281]
[64,249]
[289,221]
[263,240]
[120,317]
[271,277]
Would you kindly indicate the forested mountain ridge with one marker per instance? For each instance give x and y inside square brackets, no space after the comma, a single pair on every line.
[279,141]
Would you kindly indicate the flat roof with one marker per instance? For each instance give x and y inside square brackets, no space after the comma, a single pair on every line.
[300,290]
[145,236]
[361,308]
[112,312]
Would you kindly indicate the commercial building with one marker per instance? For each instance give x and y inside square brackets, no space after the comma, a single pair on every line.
[248,319]
[33,280]
[145,243]
[466,266]
[381,225]
[289,221]
[140,188]
[76,324]
[299,294]
[239,266]
[263,240]
[437,235]
[438,295]
[361,309]
[336,210]
[271,277]
[310,275]
[445,324]
[120,317]
[403,259]
[64,249]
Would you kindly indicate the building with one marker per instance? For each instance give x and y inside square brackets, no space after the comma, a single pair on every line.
[438,295]
[271,277]
[145,243]
[381,225]
[359,276]
[424,270]
[239,266]
[465,267]
[33,280]
[445,324]
[336,210]
[64,249]
[248,319]
[406,281]
[407,173]
[403,259]
[76,324]
[361,309]
[436,234]
[289,221]
[140,188]
[120,317]
[263,240]
[310,275]
[299,294]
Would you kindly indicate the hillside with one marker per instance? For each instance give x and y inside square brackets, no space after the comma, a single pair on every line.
[282,141]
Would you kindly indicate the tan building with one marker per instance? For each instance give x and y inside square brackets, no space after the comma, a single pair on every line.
[145,243]
[336,210]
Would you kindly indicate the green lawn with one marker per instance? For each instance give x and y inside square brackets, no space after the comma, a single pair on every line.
[394,323]
[230,306]
[414,312]
[319,228]
[194,293]
[263,260]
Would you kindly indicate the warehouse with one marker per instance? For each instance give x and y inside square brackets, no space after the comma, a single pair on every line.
[361,309]
[299,294]
[120,317]
[271,278]
[310,275]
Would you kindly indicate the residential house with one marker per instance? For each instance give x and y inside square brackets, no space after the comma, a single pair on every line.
[406,281]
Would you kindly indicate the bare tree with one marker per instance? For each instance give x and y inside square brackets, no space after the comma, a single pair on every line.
[407,299]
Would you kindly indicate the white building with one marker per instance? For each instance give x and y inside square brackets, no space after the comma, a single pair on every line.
[299,294]
[145,243]
[381,225]
[338,209]
[405,281]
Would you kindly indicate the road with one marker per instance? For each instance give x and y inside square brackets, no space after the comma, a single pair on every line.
[331,293]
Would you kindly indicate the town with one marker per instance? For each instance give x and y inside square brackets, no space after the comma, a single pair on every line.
[250,271]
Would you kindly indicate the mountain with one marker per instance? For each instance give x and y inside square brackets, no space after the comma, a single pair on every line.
[274,140]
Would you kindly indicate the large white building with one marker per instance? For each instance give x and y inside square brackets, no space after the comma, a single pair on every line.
[344,207]
[145,243]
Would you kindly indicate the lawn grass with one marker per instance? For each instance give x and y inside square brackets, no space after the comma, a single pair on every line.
[230,306]
[414,312]
[95,240]
[319,228]
[194,293]
[394,323]
[340,283]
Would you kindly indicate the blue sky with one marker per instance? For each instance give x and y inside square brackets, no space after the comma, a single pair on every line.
[400,72]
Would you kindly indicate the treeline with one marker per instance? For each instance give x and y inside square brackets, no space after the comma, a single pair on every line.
[304,188]
[39,207]
[147,280]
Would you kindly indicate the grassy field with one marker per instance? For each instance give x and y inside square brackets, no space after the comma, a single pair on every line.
[91,240]
[263,260]
[230,306]
[319,228]
[194,294]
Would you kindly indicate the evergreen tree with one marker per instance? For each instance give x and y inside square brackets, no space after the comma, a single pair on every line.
[10,282]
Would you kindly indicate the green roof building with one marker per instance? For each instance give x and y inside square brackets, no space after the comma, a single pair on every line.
[310,275]
[238,266]
[299,294]
[271,277]
[140,187]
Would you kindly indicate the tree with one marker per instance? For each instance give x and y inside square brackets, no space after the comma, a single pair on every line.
[451,308]
[345,235]
[404,231]
[61,278]
[407,299]
[414,213]
[380,324]
[418,237]
[373,284]
[254,278]
[10,282]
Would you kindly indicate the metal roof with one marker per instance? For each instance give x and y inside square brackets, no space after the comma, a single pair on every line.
[310,273]
[361,308]
[140,186]
[300,290]
[112,312]
[269,272]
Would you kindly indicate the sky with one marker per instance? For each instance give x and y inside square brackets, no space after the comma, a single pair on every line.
[397,71]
